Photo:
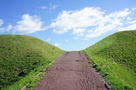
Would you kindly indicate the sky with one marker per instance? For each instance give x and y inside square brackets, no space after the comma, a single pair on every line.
[68,24]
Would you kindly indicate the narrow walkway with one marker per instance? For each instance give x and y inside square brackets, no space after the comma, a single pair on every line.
[71,72]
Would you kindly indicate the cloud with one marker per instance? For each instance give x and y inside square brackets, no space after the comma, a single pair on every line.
[66,40]
[119,14]
[128,18]
[131,27]
[78,30]
[49,39]
[57,44]
[1,22]
[52,7]
[90,22]
[68,20]
[4,28]
[29,24]
[133,9]
[43,7]
[9,27]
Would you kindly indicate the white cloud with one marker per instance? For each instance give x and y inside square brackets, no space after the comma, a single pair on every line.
[66,40]
[89,22]
[28,24]
[119,14]
[78,30]
[128,18]
[9,27]
[68,20]
[131,27]
[52,7]
[1,22]
[43,7]
[4,28]
[133,9]
[57,44]
[49,39]
[132,22]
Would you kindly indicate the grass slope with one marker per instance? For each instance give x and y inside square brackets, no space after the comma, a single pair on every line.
[115,59]
[20,54]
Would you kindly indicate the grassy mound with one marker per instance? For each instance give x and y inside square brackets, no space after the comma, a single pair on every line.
[115,58]
[20,54]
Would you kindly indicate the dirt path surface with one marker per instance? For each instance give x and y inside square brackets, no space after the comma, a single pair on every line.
[71,72]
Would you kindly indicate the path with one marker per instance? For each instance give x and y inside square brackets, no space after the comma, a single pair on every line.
[71,72]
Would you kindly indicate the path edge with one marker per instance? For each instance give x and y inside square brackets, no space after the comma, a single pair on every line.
[107,85]
[42,71]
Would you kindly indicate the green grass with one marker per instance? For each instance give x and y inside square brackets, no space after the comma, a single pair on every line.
[22,57]
[115,59]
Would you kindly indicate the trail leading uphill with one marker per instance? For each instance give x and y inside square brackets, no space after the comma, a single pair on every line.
[71,72]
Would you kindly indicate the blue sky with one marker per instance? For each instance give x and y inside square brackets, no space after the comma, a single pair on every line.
[67,24]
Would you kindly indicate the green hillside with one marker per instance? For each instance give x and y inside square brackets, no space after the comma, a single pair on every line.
[20,54]
[115,59]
